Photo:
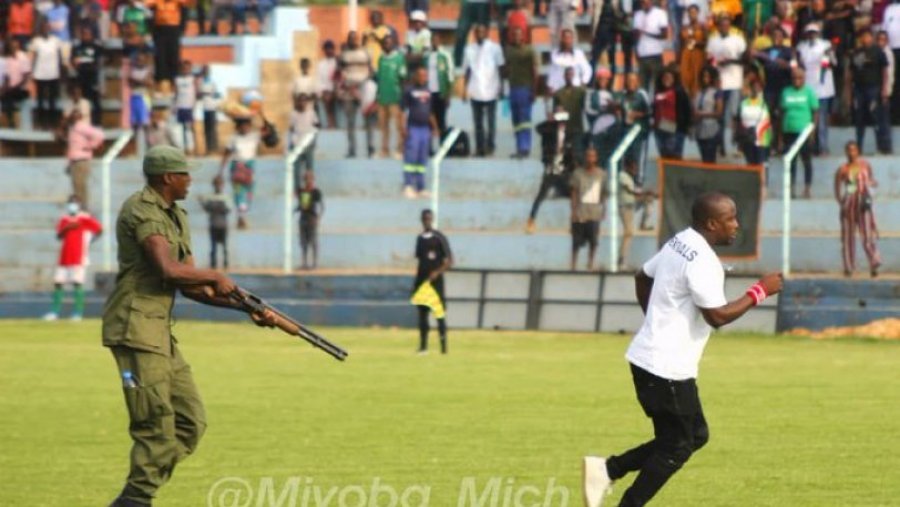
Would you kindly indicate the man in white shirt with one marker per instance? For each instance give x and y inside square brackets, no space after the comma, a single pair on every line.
[681,291]
[651,29]
[726,48]
[482,63]
[816,56]
[567,56]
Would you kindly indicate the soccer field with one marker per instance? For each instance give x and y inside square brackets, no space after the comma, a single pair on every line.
[505,417]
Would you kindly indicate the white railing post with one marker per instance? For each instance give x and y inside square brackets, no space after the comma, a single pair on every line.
[106,191]
[786,199]
[436,171]
[289,198]
[613,211]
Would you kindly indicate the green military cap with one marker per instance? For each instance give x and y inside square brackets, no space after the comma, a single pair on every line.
[166,159]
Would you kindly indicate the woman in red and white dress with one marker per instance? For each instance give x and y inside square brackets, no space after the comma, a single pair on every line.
[853,184]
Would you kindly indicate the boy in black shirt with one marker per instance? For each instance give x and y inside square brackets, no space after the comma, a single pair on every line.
[434,256]
[86,60]
[311,208]
[217,208]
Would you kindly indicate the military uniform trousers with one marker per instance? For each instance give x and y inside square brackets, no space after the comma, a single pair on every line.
[166,417]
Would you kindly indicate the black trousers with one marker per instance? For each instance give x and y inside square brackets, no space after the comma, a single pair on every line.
[47,97]
[218,237]
[805,156]
[210,123]
[89,83]
[167,52]
[559,182]
[485,114]
[439,106]
[679,430]
[424,326]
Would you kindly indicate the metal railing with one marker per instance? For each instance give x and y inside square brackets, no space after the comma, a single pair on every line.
[436,168]
[786,202]
[106,191]
[613,211]
[289,183]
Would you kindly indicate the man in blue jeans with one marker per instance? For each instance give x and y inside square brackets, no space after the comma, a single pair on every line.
[416,132]
[521,73]
[482,65]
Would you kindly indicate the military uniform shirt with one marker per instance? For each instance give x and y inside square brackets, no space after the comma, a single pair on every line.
[138,312]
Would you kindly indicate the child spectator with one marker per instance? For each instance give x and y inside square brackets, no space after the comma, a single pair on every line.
[159,132]
[558,158]
[303,121]
[440,81]
[418,39]
[82,139]
[185,101]
[325,74]
[76,230]
[311,208]
[217,208]
[390,75]
[46,56]
[15,90]
[632,198]
[417,130]
[87,60]
[304,84]
[140,79]
[209,98]
[77,102]
[587,206]
[241,153]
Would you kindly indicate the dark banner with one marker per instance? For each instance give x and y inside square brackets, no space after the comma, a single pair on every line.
[681,182]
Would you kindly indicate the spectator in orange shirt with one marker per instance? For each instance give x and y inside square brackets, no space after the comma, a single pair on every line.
[166,37]
[21,21]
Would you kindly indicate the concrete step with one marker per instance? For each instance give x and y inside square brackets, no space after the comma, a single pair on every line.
[350,214]
[468,178]
[379,250]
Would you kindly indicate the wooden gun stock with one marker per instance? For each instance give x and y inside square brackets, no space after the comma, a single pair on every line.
[252,303]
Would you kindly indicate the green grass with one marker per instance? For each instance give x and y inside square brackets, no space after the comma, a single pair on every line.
[793,422]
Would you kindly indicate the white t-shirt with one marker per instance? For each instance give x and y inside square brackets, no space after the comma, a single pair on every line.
[305,85]
[185,92]
[559,61]
[325,74]
[301,123]
[47,55]
[209,95]
[652,22]
[244,147]
[483,61]
[687,275]
[731,47]
[891,25]
[819,78]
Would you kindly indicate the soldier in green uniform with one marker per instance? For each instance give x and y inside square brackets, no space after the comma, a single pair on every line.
[166,414]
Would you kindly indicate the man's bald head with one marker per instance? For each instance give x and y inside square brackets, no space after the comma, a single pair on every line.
[708,207]
[714,215]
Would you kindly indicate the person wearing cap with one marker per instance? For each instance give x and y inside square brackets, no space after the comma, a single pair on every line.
[816,56]
[156,259]
[418,39]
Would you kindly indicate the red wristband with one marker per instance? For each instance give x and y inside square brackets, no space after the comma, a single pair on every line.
[757,293]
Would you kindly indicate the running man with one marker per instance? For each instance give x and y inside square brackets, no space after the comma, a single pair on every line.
[681,291]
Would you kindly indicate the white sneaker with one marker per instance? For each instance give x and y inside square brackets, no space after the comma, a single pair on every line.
[408,192]
[50,317]
[597,483]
